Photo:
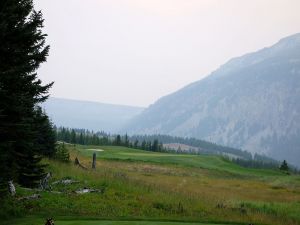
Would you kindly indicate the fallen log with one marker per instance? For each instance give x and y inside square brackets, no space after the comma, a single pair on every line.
[88,190]
[31,197]
[77,163]
[65,182]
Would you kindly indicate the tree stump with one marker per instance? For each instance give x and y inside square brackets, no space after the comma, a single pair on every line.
[94,161]
[44,183]
[11,188]
[77,161]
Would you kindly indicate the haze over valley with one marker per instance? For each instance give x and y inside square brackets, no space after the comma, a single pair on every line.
[89,115]
[250,102]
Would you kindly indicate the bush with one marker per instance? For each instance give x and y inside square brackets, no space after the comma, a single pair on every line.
[62,153]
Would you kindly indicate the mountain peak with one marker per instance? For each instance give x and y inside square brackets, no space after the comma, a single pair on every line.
[285,47]
[290,40]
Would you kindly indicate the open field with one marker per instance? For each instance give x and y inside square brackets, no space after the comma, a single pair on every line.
[141,185]
[198,161]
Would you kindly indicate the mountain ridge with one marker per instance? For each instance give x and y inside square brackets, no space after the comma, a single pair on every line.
[88,114]
[249,102]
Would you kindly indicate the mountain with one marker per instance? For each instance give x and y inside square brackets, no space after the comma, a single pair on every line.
[252,102]
[89,115]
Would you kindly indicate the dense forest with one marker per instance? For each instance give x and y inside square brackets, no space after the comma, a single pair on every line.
[86,137]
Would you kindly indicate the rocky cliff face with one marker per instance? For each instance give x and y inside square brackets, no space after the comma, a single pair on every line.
[251,102]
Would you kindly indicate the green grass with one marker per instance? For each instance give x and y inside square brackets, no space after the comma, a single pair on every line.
[199,161]
[35,221]
[126,223]
[146,186]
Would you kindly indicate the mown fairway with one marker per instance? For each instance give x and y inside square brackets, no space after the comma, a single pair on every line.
[202,161]
[141,185]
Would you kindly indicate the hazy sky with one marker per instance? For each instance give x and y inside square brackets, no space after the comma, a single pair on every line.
[134,51]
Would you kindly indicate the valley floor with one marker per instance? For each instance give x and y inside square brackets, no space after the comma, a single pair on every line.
[146,187]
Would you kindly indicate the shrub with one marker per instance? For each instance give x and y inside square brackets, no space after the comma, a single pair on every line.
[62,153]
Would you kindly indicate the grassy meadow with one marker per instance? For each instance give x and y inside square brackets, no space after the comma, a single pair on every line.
[140,187]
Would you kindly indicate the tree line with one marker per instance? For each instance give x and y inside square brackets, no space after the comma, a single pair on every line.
[203,146]
[86,137]
[145,142]
[256,163]
[259,163]
[155,143]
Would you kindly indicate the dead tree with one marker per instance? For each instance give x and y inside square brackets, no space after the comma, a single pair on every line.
[31,197]
[77,163]
[44,183]
[11,188]
[94,161]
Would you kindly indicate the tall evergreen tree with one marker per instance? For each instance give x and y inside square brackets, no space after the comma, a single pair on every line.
[126,141]
[81,140]
[155,145]
[118,140]
[284,166]
[73,137]
[44,133]
[136,144]
[143,145]
[22,50]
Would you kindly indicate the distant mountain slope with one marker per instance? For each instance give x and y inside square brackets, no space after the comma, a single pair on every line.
[252,102]
[89,115]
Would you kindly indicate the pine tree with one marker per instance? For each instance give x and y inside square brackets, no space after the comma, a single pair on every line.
[118,140]
[155,145]
[22,50]
[143,145]
[73,137]
[284,166]
[148,145]
[136,144]
[81,139]
[62,153]
[44,133]
[126,141]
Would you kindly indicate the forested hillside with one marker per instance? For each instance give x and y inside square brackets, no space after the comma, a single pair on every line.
[251,103]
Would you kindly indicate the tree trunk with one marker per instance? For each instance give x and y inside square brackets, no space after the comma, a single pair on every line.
[94,161]
[11,188]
